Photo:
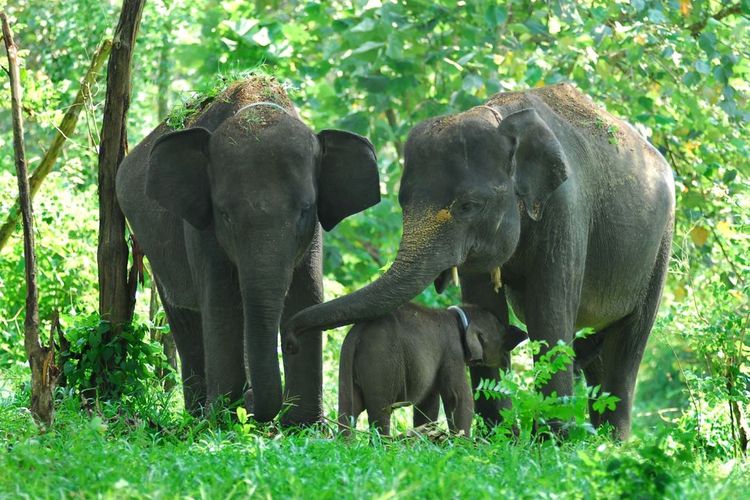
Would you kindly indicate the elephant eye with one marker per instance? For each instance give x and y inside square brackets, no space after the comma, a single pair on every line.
[225,216]
[305,211]
[304,215]
[466,207]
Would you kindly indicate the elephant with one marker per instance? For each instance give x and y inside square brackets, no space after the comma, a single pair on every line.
[416,355]
[549,204]
[229,211]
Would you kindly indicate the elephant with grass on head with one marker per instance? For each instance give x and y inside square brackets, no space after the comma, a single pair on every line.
[541,192]
[228,211]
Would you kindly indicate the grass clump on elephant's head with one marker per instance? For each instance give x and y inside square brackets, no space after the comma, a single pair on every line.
[247,86]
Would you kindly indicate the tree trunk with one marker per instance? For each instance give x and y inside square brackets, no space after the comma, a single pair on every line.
[41,359]
[112,255]
[64,130]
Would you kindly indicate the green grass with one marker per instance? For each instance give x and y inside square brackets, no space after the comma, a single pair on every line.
[207,92]
[111,454]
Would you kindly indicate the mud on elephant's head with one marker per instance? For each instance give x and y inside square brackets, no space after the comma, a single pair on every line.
[469,181]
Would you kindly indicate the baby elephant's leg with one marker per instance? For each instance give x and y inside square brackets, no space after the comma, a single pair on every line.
[349,410]
[426,411]
[379,417]
[457,402]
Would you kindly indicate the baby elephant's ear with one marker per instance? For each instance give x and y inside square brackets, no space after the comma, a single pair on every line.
[474,345]
[513,337]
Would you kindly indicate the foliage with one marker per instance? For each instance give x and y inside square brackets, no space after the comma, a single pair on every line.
[114,455]
[66,256]
[533,414]
[713,326]
[96,363]
[184,111]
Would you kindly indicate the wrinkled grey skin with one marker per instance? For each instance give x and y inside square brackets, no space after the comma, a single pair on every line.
[574,206]
[227,212]
[416,356]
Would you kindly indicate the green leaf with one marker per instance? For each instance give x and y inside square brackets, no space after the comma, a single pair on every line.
[703,67]
[366,47]
[395,47]
[472,82]
[365,26]
[707,41]
[729,176]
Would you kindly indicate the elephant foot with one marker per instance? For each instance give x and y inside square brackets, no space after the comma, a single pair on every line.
[302,417]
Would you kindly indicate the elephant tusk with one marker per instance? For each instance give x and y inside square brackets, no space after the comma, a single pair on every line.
[454,274]
[497,281]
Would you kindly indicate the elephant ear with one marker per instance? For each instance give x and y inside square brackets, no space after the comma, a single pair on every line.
[177,178]
[539,164]
[474,345]
[513,336]
[348,182]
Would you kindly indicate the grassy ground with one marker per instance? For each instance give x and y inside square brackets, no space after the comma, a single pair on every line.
[111,454]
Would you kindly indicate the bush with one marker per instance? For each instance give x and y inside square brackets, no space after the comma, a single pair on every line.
[532,413]
[110,366]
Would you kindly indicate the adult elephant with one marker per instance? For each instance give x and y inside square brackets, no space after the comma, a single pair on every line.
[572,204]
[227,211]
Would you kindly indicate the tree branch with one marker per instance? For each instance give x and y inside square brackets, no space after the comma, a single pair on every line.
[696,28]
[64,130]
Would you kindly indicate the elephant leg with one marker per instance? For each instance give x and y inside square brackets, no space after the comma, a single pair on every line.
[225,374]
[457,402]
[623,352]
[620,362]
[551,299]
[303,372]
[478,289]
[589,360]
[379,417]
[594,373]
[427,410]
[349,411]
[187,333]
[221,311]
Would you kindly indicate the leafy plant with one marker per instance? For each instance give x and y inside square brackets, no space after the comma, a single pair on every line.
[533,413]
[110,367]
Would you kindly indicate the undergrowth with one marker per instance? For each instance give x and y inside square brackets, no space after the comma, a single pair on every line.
[109,452]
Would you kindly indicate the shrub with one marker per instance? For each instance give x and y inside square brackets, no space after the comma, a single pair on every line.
[98,363]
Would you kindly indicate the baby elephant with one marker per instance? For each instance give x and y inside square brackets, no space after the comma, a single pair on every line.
[416,355]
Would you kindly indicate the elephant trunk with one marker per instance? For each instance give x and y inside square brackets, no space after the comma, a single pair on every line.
[421,258]
[263,303]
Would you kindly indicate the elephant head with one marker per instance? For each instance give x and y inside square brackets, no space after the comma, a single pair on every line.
[487,341]
[469,181]
[259,184]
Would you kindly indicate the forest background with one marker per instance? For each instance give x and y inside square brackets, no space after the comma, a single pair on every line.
[678,71]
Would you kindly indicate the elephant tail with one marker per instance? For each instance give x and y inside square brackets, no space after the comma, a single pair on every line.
[350,396]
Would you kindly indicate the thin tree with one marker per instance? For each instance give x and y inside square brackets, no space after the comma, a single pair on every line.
[41,359]
[115,300]
[64,130]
